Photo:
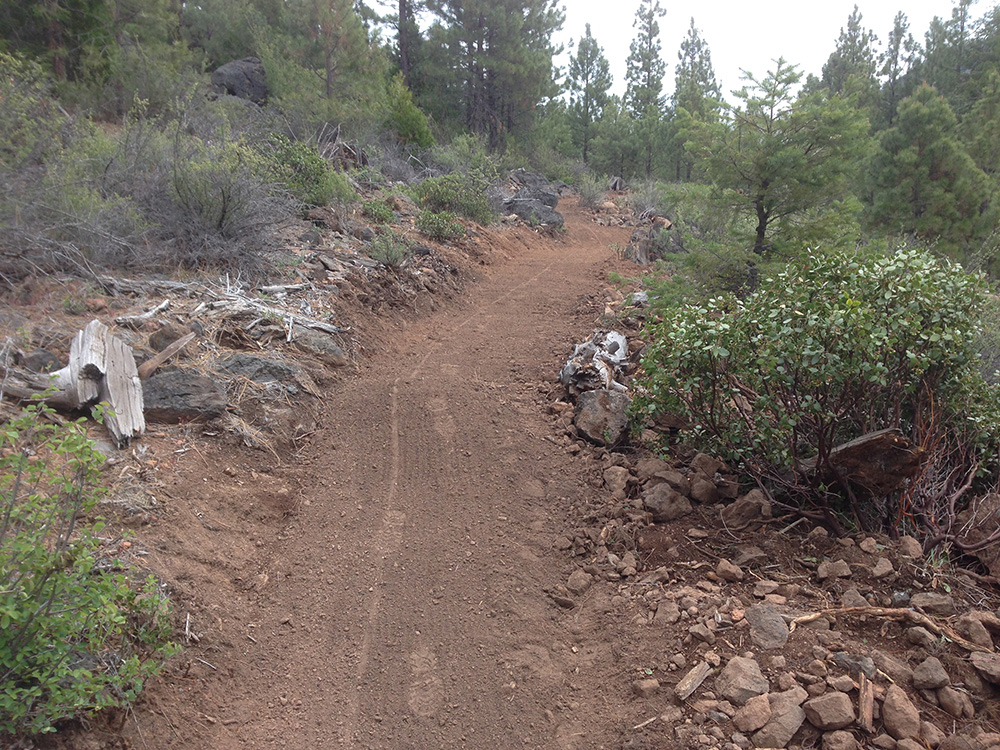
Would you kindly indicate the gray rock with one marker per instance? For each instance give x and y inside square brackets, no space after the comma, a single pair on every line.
[702,633]
[675,479]
[728,572]
[830,711]
[740,680]
[616,478]
[786,718]
[602,416]
[754,714]
[908,743]
[884,742]
[41,360]
[853,598]
[244,79]
[855,664]
[931,734]
[987,665]
[704,491]
[767,627]
[579,581]
[920,636]
[707,465]
[174,396]
[958,742]
[910,547]
[973,629]
[837,569]
[667,613]
[930,674]
[933,603]
[648,467]
[900,716]
[840,740]
[748,509]
[259,369]
[321,346]
[646,688]
[883,568]
[665,503]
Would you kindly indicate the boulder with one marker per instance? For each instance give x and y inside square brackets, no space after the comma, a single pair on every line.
[602,416]
[767,627]
[244,78]
[930,674]
[786,718]
[665,503]
[174,396]
[755,713]
[752,507]
[900,716]
[321,346]
[830,711]
[740,680]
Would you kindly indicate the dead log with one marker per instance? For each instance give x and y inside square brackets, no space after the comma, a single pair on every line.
[137,321]
[101,368]
[150,366]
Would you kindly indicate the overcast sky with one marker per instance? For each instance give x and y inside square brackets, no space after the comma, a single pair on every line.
[744,35]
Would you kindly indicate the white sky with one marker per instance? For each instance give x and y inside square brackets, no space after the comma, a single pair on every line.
[743,34]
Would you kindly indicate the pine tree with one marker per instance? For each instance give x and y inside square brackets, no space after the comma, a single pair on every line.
[615,150]
[923,180]
[644,80]
[786,162]
[54,31]
[696,93]
[854,55]
[589,81]
[896,60]
[500,54]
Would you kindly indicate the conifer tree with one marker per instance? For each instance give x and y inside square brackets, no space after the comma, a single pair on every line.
[896,60]
[589,81]
[696,94]
[644,78]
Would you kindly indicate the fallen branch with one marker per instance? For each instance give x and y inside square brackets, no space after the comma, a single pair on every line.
[899,614]
[151,365]
[137,321]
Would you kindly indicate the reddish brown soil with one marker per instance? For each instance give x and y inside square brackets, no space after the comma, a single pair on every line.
[385,587]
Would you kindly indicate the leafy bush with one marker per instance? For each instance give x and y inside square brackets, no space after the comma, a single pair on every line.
[301,169]
[824,353]
[79,631]
[390,249]
[592,190]
[29,118]
[405,118]
[458,193]
[378,211]
[440,226]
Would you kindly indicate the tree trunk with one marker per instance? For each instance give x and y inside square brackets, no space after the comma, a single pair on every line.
[759,245]
[405,24]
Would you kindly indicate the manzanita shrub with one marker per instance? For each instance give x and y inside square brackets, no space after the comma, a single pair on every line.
[832,349]
[79,630]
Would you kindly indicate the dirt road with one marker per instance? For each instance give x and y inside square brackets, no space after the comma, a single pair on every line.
[404,604]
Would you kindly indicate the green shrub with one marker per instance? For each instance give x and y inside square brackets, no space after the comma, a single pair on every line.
[440,225]
[301,169]
[390,249]
[405,118]
[79,629]
[459,193]
[30,119]
[378,211]
[828,351]
[592,190]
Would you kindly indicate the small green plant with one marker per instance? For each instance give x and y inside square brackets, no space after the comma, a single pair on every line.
[79,629]
[440,225]
[389,248]
[592,190]
[378,211]
[301,169]
[459,193]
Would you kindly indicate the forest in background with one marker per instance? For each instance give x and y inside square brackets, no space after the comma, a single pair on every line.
[895,138]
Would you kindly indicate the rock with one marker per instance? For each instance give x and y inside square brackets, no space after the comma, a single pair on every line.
[869,545]
[838,569]
[855,664]
[884,742]
[167,334]
[259,369]
[909,744]
[910,547]
[244,78]
[920,636]
[957,742]
[706,465]
[41,360]
[667,613]
[930,674]
[933,603]
[786,718]
[728,572]
[675,479]
[602,416]
[704,491]
[748,509]
[616,478]
[665,503]
[767,627]
[883,568]
[174,396]
[853,598]
[702,633]
[321,346]
[900,716]
[839,740]
[978,522]
[579,581]
[930,734]
[646,688]
[972,628]
[649,467]
[830,711]
[754,714]
[536,205]
[899,671]
[740,680]
[987,665]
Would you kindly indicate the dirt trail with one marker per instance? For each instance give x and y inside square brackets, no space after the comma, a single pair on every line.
[403,607]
